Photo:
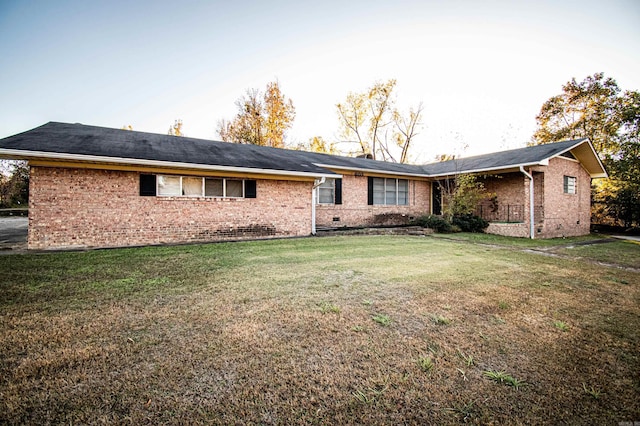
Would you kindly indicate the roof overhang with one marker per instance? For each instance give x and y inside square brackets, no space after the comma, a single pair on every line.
[491,170]
[584,152]
[373,171]
[96,159]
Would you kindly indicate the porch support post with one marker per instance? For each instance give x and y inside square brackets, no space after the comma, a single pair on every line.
[316,184]
[531,211]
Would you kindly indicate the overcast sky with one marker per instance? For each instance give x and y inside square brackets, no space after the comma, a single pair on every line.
[482,69]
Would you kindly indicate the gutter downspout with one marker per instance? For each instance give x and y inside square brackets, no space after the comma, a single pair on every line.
[316,184]
[531,212]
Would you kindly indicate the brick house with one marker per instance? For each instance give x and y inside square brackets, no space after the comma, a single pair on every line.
[100,187]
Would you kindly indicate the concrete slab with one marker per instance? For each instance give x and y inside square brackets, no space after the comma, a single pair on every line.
[13,233]
[627,237]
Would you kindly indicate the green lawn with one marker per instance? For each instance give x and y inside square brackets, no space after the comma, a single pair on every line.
[361,329]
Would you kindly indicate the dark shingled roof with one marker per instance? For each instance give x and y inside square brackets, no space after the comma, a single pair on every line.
[81,140]
[99,144]
[512,158]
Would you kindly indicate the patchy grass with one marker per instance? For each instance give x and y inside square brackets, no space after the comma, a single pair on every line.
[425,363]
[382,319]
[624,253]
[517,242]
[440,320]
[280,332]
[591,391]
[503,378]
[561,325]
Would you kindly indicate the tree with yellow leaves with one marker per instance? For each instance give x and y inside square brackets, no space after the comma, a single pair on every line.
[176,128]
[319,145]
[262,119]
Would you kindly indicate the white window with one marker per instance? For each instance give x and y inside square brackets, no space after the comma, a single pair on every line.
[213,187]
[192,186]
[403,192]
[378,191]
[569,185]
[188,186]
[326,192]
[389,191]
[169,185]
[234,188]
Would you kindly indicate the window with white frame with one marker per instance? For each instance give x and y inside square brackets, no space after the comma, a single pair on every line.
[188,186]
[326,192]
[390,191]
[569,185]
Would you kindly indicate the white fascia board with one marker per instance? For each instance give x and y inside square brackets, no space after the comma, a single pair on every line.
[578,143]
[15,153]
[489,169]
[378,171]
[595,154]
[599,175]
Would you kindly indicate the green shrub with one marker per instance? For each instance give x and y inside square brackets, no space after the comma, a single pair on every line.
[470,223]
[437,223]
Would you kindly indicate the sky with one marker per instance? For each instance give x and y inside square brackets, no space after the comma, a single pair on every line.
[482,69]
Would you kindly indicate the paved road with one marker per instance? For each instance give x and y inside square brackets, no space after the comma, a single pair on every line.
[13,230]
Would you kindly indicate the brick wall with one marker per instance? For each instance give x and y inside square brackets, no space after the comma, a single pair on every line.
[354,210]
[565,214]
[561,215]
[509,229]
[100,208]
[511,192]
[508,187]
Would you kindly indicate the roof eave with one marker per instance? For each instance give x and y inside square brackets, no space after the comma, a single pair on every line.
[602,172]
[55,156]
[367,170]
[504,168]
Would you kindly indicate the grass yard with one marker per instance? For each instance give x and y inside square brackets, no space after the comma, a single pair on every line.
[335,330]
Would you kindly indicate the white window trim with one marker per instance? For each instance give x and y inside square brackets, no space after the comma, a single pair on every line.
[384,186]
[202,194]
[566,188]
[333,188]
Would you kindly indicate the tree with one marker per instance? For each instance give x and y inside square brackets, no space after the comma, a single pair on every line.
[14,183]
[463,196]
[318,144]
[279,115]
[588,109]
[176,128]
[371,120]
[596,109]
[407,130]
[262,119]
[621,193]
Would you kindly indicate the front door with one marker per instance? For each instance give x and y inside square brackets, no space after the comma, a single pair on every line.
[436,198]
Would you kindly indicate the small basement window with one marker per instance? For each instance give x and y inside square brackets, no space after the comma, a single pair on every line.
[569,185]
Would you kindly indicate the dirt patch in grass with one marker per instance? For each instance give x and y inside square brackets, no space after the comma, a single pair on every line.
[332,330]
